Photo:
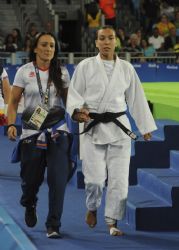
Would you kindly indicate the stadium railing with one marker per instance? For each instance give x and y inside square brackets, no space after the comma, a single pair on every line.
[75,57]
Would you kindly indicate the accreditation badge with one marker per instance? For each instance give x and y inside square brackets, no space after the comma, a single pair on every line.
[38,117]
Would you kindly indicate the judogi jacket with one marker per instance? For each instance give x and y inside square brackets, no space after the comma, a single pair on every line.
[91,88]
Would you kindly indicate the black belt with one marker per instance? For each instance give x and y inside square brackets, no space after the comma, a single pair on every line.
[108,117]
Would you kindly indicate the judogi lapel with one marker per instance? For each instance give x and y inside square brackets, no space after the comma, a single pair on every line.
[109,84]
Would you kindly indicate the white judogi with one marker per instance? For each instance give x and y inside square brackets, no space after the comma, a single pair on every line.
[106,148]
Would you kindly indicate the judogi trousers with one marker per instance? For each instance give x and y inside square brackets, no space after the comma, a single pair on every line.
[111,162]
[34,161]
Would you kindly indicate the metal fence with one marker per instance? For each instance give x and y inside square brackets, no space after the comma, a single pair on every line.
[74,58]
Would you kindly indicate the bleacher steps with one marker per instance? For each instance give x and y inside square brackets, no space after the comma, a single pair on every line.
[146,211]
[174,160]
[155,154]
[162,182]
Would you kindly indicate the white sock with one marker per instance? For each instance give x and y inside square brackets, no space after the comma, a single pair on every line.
[110,221]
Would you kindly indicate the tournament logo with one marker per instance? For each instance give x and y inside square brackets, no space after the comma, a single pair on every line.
[32,74]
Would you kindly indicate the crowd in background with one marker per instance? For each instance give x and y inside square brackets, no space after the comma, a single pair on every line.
[15,41]
[143,27]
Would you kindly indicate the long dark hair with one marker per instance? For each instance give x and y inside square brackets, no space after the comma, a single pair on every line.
[55,74]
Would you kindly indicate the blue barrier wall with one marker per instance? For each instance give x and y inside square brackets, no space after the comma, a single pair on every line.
[153,72]
[148,72]
[11,70]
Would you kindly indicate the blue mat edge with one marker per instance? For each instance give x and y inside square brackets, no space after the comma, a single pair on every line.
[17,235]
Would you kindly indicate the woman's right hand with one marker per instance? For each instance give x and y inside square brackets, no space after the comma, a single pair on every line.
[82,115]
[12,133]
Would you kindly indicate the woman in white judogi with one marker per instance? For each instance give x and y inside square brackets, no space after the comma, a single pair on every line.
[102,84]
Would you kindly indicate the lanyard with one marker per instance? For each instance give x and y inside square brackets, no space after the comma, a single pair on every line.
[45,96]
[1,83]
[1,90]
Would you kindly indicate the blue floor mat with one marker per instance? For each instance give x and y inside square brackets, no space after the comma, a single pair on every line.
[76,234]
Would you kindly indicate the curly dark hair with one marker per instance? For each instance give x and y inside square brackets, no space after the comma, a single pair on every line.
[55,74]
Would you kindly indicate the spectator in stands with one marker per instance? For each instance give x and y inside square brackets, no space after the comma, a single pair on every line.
[133,46]
[156,40]
[101,87]
[176,22]
[63,46]
[147,49]
[49,27]
[176,50]
[9,45]
[170,40]
[121,34]
[108,8]
[93,18]
[17,38]
[27,45]
[32,32]
[5,88]
[164,25]
[44,84]
[139,33]
[121,40]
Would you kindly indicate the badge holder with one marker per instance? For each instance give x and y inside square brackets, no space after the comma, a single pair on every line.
[40,113]
[38,117]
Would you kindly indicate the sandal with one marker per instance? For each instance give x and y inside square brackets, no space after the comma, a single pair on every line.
[91,218]
[114,231]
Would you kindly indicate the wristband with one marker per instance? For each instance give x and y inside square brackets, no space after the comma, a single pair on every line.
[11,125]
